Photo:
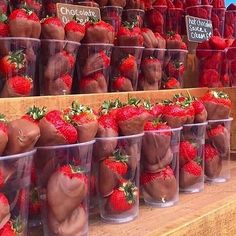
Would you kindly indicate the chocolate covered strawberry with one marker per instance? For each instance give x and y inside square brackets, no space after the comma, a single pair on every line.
[155,110]
[66,190]
[155,20]
[122,199]
[3,6]
[213,162]
[150,40]
[55,130]
[84,120]
[174,41]
[4,29]
[217,43]
[160,186]
[3,134]
[187,152]
[171,83]
[24,23]
[161,42]
[129,35]
[98,31]
[5,211]
[175,69]
[200,111]
[13,63]
[112,170]
[111,108]
[52,28]
[190,174]
[121,84]
[23,133]
[217,104]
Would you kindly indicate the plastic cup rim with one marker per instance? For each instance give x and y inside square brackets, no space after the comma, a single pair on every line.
[230,10]
[196,124]
[164,130]
[129,47]
[66,146]
[199,6]
[133,9]
[60,41]
[121,137]
[17,156]
[155,49]
[177,50]
[221,120]
[112,7]
[97,44]
[20,38]
[159,6]
[210,50]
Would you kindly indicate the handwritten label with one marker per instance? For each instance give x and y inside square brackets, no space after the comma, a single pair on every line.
[66,12]
[198,29]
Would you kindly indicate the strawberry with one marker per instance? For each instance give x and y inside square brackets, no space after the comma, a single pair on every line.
[215,21]
[217,104]
[160,3]
[160,186]
[13,228]
[110,107]
[173,40]
[129,35]
[218,3]
[190,174]
[123,199]
[217,43]
[122,84]
[52,28]
[213,162]
[84,120]
[150,40]
[157,110]
[55,130]
[200,111]
[98,31]
[5,211]
[111,172]
[3,6]
[3,134]
[128,67]
[34,202]
[175,69]
[161,42]
[18,86]
[71,184]
[171,83]
[212,62]
[203,50]
[24,23]
[13,63]
[187,152]
[155,20]
[178,4]
[209,78]
[4,28]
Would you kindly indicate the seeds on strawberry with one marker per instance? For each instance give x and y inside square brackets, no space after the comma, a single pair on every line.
[188,152]
[122,84]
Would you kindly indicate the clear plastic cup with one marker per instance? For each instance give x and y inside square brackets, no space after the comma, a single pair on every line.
[151,67]
[231,59]
[14,190]
[156,19]
[218,20]
[112,15]
[93,68]
[160,167]
[134,15]
[86,3]
[190,3]
[174,68]
[63,175]
[57,64]
[191,158]
[217,166]
[18,60]
[174,20]
[212,67]
[201,11]
[118,179]
[121,57]
[230,24]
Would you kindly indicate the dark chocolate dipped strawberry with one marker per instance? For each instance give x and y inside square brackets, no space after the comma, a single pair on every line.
[200,111]
[3,133]
[129,35]
[96,62]
[213,162]
[161,42]
[5,210]
[24,133]
[123,198]
[144,85]
[187,152]
[220,138]
[217,104]
[98,31]
[84,120]
[55,130]
[190,174]
[111,172]
[4,28]
[121,84]
[66,189]
[24,23]
[160,186]
[155,146]
[52,28]
[150,40]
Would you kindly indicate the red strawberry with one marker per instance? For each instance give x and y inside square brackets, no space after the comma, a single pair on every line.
[110,107]
[155,110]
[215,21]
[34,114]
[55,130]
[111,172]
[173,40]
[155,20]
[172,83]
[122,84]
[129,68]
[24,23]
[200,112]
[178,4]
[161,42]
[187,152]
[150,40]
[129,35]
[213,162]
[160,3]
[5,210]
[175,69]
[189,3]
[61,86]
[3,134]
[212,62]
[12,228]
[3,6]
[203,50]
[123,199]
[209,78]
[217,43]
[218,3]
[13,63]
[190,174]
[4,28]
[52,28]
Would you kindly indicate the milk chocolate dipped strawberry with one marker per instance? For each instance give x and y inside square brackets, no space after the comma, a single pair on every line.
[187,152]
[84,120]
[217,104]
[150,40]
[111,172]
[175,69]
[129,35]
[190,174]
[52,28]
[144,85]
[24,133]
[24,23]
[4,29]
[3,133]
[98,31]
[161,42]
[121,84]
[171,83]
[3,6]
[118,3]
[5,210]
[55,130]
[200,111]
[156,110]
[66,190]
[160,186]
[213,162]
[174,41]
[13,227]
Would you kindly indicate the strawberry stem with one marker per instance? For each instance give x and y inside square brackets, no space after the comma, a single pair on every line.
[120,157]
[36,113]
